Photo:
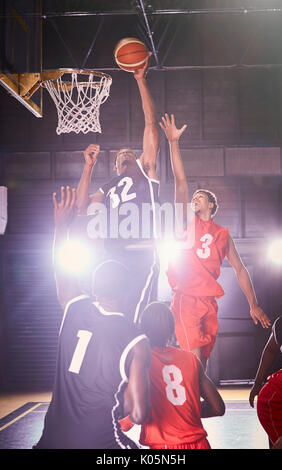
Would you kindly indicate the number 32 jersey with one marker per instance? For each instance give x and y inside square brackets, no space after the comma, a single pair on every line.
[175,399]
[130,199]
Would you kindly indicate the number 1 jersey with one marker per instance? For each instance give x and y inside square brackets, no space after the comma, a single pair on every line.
[91,375]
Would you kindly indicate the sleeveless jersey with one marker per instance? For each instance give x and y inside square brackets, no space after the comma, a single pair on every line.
[195,271]
[175,399]
[130,201]
[91,375]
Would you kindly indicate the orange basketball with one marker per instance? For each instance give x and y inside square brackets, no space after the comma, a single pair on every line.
[130,54]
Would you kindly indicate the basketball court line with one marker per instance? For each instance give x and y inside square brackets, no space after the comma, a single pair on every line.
[239,428]
[20,416]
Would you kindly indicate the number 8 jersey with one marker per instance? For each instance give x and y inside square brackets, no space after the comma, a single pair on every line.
[175,400]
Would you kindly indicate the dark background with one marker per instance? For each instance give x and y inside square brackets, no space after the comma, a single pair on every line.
[217,69]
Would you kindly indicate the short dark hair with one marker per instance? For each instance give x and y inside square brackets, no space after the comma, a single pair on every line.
[211,197]
[110,280]
[157,323]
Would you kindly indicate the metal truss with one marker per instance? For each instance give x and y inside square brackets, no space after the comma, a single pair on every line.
[150,22]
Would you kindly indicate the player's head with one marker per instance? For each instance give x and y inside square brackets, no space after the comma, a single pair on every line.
[157,323]
[124,159]
[111,280]
[204,200]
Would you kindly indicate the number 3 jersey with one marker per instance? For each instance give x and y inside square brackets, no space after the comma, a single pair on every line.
[195,271]
[130,201]
[175,399]
[91,375]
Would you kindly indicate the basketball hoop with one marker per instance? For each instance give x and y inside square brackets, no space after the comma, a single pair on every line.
[77,99]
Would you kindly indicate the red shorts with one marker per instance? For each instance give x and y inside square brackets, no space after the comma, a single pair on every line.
[196,322]
[269,406]
[201,444]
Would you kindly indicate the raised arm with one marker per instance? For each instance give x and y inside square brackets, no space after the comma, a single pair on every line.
[246,285]
[151,131]
[136,396]
[213,404]
[173,135]
[82,194]
[180,181]
[64,211]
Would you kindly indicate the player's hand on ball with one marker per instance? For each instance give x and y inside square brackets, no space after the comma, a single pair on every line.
[140,73]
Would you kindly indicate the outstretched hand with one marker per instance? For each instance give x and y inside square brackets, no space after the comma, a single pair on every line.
[65,209]
[170,129]
[91,154]
[258,315]
[141,73]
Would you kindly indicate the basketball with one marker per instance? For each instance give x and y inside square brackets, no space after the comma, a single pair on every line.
[130,54]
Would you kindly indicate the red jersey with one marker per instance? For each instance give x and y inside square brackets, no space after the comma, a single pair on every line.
[175,399]
[195,271]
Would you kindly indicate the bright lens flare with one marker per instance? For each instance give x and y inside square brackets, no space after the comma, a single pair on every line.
[74,257]
[275,251]
[168,251]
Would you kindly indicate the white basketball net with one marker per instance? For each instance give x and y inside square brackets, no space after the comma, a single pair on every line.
[78,103]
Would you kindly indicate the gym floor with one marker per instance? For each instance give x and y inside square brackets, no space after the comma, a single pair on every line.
[22,415]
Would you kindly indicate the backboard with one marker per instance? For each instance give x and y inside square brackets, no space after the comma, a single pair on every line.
[21,51]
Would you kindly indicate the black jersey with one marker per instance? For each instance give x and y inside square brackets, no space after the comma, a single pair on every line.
[91,375]
[131,200]
[277,332]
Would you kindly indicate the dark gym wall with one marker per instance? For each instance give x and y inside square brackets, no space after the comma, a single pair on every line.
[232,147]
